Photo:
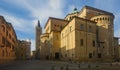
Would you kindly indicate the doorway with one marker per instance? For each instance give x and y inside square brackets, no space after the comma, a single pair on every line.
[99,55]
[57,55]
[90,55]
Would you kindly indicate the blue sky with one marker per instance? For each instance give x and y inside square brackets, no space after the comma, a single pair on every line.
[24,14]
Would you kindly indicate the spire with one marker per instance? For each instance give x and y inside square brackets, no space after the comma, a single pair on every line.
[38,23]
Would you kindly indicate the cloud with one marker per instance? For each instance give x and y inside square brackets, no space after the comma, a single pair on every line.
[19,24]
[41,9]
[117,25]
[106,5]
[38,9]
[113,7]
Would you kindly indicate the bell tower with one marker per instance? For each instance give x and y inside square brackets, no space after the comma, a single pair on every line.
[38,33]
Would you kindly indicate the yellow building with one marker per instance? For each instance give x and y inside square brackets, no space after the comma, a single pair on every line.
[85,36]
[8,41]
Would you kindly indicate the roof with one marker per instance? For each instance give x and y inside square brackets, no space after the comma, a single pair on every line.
[85,19]
[80,19]
[89,7]
[10,25]
[1,17]
[51,18]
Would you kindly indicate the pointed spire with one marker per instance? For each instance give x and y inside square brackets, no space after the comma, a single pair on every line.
[38,23]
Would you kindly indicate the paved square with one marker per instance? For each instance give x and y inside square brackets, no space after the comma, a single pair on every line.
[57,65]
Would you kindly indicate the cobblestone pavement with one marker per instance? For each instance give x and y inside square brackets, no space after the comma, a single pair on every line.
[57,65]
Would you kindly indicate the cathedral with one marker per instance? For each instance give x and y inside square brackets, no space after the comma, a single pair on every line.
[85,35]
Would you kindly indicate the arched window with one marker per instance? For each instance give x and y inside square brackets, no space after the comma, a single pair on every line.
[108,19]
[81,27]
[97,19]
[90,29]
[103,18]
[100,19]
[3,28]
[3,53]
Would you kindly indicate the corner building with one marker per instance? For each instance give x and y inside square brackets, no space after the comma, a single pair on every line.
[8,41]
[87,35]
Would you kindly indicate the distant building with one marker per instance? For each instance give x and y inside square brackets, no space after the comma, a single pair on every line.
[119,53]
[33,54]
[8,41]
[23,50]
[86,35]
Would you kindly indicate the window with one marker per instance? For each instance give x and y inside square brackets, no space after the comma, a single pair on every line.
[105,18]
[100,19]
[97,19]
[93,53]
[81,27]
[81,42]
[13,47]
[70,28]
[90,55]
[3,40]
[3,28]
[90,29]
[6,52]
[65,55]
[57,37]
[3,53]
[7,33]
[9,36]
[108,19]
[93,42]
[99,55]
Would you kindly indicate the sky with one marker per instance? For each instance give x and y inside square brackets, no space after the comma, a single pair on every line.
[24,14]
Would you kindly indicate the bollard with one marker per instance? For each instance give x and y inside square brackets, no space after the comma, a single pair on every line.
[67,67]
[53,68]
[61,68]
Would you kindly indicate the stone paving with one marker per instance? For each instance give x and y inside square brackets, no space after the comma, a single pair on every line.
[57,65]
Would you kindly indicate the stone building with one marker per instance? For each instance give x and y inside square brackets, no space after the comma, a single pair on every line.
[86,35]
[8,41]
[23,50]
[116,48]
[119,52]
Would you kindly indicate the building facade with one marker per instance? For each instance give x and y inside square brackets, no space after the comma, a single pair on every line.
[8,41]
[23,50]
[116,48]
[87,35]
